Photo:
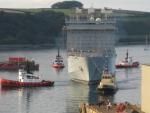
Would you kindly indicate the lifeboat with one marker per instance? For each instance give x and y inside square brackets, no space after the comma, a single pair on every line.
[26,79]
[15,63]
[58,62]
[127,63]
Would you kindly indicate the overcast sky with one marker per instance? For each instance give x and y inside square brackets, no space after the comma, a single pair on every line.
[140,5]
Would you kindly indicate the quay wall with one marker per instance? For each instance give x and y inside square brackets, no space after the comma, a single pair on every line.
[145,92]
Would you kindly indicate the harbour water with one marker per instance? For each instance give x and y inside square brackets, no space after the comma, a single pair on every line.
[66,95]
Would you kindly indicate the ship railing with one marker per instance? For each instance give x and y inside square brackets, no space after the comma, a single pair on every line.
[81,54]
[91,53]
[100,27]
[89,22]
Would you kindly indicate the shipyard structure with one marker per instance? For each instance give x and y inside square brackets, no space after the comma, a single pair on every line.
[145,92]
[91,36]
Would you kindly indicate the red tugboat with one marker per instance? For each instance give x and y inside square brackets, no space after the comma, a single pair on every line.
[127,63]
[58,62]
[15,63]
[26,79]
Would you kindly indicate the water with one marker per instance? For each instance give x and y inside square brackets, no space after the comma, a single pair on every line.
[66,95]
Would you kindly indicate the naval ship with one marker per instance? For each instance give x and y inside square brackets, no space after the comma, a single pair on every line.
[91,36]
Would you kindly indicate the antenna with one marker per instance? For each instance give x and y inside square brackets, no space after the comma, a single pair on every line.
[58,53]
[92,4]
[126,56]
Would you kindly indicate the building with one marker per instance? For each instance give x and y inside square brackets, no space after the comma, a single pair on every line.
[145,92]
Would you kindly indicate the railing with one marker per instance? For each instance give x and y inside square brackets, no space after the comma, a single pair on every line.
[89,22]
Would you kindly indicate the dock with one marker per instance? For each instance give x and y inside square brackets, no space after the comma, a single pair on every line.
[103,108]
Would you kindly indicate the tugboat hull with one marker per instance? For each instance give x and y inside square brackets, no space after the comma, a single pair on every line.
[11,83]
[57,66]
[134,65]
[107,90]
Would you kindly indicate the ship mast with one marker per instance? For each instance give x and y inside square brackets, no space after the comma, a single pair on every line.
[146,43]
[28,67]
[106,71]
[126,59]
[58,53]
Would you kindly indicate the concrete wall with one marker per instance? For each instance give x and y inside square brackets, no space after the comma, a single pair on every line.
[145,90]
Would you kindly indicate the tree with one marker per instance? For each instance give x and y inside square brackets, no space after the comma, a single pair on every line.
[67,5]
[30,28]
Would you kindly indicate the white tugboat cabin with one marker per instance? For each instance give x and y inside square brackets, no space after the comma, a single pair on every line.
[27,77]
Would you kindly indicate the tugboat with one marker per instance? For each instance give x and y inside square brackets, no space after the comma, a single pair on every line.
[127,63]
[15,63]
[26,79]
[58,62]
[107,84]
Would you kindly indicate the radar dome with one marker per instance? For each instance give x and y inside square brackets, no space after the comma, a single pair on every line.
[98,19]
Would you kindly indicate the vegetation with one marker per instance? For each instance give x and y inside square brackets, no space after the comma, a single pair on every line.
[67,5]
[42,26]
[30,28]
[32,11]
[137,25]
[134,28]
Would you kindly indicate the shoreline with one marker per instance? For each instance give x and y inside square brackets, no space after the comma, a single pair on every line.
[28,47]
[48,46]
[130,43]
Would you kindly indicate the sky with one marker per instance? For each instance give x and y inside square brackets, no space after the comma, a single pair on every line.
[138,5]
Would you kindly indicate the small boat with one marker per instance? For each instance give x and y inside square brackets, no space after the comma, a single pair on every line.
[26,79]
[15,63]
[107,84]
[58,62]
[127,63]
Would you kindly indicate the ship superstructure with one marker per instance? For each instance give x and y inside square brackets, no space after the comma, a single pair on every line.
[91,36]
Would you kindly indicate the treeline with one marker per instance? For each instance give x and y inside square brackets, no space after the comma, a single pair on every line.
[45,27]
[30,28]
[138,25]
[134,28]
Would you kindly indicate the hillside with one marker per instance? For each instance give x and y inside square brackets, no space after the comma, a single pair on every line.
[43,26]
[25,27]
[135,29]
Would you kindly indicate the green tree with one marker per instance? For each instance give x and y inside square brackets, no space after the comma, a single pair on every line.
[67,5]
[30,28]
